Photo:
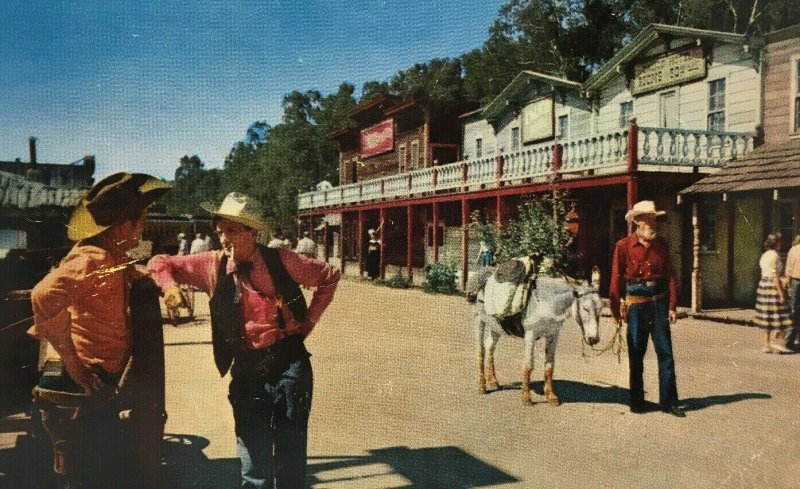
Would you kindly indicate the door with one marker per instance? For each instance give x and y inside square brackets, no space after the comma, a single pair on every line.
[668,110]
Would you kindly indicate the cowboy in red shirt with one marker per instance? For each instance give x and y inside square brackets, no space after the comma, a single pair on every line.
[643,291]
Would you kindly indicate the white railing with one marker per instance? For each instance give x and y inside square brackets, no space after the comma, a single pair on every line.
[683,147]
[656,146]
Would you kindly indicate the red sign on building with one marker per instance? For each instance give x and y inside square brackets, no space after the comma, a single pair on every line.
[377,139]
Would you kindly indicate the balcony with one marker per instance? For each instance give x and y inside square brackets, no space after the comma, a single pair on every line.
[656,149]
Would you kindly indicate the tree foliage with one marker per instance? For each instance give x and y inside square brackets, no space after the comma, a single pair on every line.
[568,38]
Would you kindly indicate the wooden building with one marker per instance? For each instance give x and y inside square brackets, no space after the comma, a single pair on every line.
[669,108]
[754,195]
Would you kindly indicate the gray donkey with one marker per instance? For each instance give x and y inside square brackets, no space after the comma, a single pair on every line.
[551,301]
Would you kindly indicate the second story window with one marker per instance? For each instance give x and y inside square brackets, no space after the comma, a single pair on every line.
[514,138]
[716,105]
[402,158]
[563,127]
[478,148]
[625,113]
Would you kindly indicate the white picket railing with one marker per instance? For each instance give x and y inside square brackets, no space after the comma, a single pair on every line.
[656,146]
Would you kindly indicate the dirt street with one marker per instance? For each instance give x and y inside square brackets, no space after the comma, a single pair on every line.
[396,405]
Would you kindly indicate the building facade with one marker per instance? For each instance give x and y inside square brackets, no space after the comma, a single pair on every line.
[757,194]
[669,108]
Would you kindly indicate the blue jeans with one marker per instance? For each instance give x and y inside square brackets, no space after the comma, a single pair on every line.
[271,422]
[794,305]
[644,320]
[485,258]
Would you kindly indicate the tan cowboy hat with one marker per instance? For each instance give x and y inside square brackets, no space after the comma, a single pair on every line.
[111,200]
[643,207]
[239,208]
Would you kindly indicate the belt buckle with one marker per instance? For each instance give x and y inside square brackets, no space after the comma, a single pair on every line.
[650,283]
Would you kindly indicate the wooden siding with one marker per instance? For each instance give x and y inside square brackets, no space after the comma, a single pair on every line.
[778,83]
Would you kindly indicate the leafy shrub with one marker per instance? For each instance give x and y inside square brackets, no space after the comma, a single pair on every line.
[440,277]
[398,281]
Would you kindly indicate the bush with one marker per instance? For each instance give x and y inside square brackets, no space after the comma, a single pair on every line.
[398,281]
[440,277]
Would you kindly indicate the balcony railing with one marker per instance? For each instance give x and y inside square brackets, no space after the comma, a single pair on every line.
[609,153]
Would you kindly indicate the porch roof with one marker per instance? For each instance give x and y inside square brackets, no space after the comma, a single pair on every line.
[19,192]
[768,167]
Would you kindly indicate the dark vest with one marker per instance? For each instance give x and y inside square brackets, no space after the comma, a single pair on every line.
[227,317]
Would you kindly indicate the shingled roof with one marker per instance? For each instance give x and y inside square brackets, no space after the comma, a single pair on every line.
[19,192]
[770,166]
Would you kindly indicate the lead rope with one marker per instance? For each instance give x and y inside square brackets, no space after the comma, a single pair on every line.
[616,345]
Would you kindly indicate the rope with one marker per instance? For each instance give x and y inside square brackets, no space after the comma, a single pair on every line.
[615,345]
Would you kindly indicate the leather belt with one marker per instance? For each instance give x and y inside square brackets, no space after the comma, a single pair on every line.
[642,299]
[646,283]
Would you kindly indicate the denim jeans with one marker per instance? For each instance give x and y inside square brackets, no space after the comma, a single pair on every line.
[645,320]
[794,305]
[271,422]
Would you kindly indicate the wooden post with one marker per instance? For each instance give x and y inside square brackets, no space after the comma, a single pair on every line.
[498,206]
[382,241]
[558,155]
[633,165]
[341,243]
[464,175]
[325,241]
[464,242]
[697,281]
[498,170]
[409,241]
[426,135]
[731,210]
[360,242]
[435,232]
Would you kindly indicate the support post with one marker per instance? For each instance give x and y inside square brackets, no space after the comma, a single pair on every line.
[435,232]
[464,242]
[697,282]
[633,166]
[360,242]
[498,207]
[383,243]
[409,241]
[498,170]
[558,155]
[325,241]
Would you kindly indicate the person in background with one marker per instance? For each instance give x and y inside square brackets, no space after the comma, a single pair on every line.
[277,240]
[792,274]
[259,322]
[373,262]
[183,244]
[82,309]
[484,254]
[306,246]
[199,244]
[772,306]
[644,292]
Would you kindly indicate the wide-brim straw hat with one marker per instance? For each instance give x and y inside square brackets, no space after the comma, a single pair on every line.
[239,208]
[643,207]
[111,200]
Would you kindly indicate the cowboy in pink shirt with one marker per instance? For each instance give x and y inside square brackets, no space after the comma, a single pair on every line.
[259,319]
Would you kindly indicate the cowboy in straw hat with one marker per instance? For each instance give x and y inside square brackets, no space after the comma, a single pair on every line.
[80,308]
[643,291]
[259,320]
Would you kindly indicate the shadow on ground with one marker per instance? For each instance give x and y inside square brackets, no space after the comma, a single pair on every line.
[570,391]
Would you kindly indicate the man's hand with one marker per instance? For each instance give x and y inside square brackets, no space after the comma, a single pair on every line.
[83,376]
[173,297]
[623,311]
[673,317]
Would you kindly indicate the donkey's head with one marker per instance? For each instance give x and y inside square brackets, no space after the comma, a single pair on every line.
[586,308]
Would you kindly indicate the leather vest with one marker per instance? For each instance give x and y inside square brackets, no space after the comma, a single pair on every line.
[227,317]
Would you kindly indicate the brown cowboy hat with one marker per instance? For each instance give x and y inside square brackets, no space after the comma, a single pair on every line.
[239,208]
[111,200]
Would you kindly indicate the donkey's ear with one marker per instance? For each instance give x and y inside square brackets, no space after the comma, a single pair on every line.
[595,276]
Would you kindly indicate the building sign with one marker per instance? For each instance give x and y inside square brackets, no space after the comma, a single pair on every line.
[537,120]
[665,71]
[377,139]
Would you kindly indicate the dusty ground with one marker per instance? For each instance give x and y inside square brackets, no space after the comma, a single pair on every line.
[396,405]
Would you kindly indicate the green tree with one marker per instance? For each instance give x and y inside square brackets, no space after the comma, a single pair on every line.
[373,89]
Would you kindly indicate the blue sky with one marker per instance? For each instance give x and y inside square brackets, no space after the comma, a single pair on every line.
[140,84]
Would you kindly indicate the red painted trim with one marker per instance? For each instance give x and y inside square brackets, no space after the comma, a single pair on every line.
[464,241]
[594,181]
[382,227]
[360,242]
[435,231]
[409,241]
